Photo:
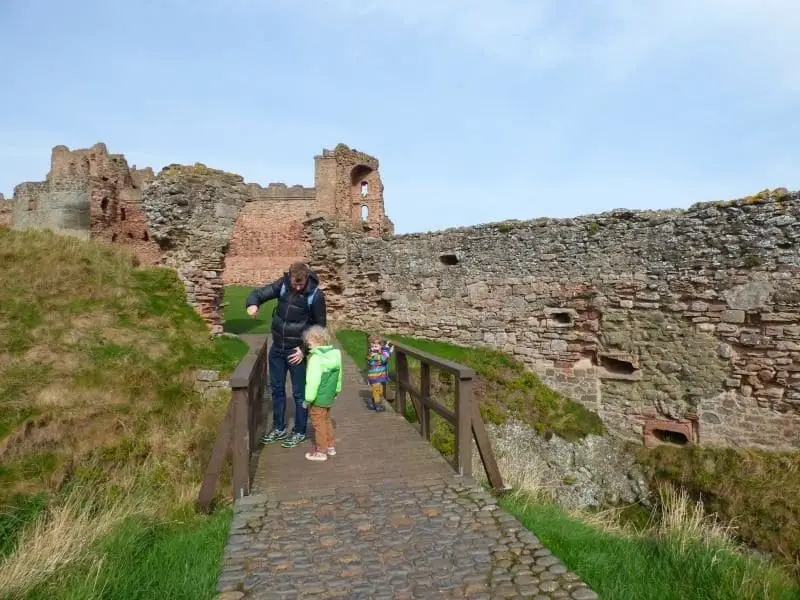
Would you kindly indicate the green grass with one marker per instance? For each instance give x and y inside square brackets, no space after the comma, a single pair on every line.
[97,362]
[22,510]
[648,568]
[505,388]
[147,558]
[756,491]
[236,319]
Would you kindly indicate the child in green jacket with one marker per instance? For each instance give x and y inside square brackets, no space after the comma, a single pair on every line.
[323,384]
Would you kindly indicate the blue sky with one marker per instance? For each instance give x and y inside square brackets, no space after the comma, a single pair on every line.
[479,110]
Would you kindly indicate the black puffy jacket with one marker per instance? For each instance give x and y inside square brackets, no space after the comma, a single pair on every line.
[292,315]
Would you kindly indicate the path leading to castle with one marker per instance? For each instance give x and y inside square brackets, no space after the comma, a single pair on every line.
[386,517]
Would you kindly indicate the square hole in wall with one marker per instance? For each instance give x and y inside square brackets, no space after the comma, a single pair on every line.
[561,317]
[617,366]
[449,259]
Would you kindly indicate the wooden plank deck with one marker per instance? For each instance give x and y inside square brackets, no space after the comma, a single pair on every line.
[387,517]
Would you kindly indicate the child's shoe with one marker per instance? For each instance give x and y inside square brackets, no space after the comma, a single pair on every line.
[371,405]
[318,456]
[380,408]
[331,451]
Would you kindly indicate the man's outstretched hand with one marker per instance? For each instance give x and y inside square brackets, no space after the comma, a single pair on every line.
[296,357]
[252,310]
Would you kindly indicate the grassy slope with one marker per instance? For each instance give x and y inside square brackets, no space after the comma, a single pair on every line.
[757,491]
[650,567]
[504,387]
[95,400]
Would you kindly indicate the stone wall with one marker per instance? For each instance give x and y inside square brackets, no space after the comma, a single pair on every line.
[6,211]
[268,235]
[89,193]
[93,194]
[651,319]
[191,211]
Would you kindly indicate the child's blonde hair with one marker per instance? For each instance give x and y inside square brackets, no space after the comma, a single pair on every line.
[374,339]
[317,334]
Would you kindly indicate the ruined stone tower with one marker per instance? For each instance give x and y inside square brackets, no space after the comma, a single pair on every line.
[349,187]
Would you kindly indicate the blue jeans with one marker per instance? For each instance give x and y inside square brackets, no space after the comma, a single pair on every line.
[278,365]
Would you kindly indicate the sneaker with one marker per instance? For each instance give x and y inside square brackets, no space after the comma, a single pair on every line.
[371,405]
[331,451]
[380,408]
[318,456]
[294,440]
[273,436]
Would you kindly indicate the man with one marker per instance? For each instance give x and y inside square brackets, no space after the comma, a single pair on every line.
[301,304]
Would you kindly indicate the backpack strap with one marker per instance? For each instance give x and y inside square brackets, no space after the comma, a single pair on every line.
[310,298]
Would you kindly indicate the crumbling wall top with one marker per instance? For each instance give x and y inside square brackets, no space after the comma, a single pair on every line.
[281,191]
[346,155]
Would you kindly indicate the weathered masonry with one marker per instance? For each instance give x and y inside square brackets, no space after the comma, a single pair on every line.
[679,326]
[209,225]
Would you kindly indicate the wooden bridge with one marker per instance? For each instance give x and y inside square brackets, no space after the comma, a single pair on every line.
[387,517]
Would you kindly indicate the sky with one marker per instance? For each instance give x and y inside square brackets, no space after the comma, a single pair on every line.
[479,110]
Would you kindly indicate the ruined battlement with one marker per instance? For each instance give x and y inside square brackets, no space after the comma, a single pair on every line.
[281,191]
[88,162]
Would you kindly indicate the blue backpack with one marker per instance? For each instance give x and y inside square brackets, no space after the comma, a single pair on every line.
[310,298]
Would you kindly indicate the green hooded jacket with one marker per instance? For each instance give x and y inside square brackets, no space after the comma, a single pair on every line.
[323,375]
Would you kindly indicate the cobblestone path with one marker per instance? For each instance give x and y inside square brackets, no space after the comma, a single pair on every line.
[386,518]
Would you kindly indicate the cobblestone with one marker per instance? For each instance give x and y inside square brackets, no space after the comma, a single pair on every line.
[363,525]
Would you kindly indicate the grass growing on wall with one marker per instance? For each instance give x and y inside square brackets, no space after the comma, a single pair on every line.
[101,431]
[504,388]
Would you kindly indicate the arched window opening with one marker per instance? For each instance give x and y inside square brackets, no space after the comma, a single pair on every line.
[364,189]
[364,212]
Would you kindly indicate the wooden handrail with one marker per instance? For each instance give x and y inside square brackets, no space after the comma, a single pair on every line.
[466,419]
[239,431]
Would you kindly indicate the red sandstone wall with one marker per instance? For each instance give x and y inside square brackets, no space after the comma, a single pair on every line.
[269,234]
[114,190]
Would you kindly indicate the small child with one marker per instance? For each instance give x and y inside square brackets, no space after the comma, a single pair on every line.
[323,385]
[378,369]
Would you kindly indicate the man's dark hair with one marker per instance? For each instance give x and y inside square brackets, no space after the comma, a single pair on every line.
[299,272]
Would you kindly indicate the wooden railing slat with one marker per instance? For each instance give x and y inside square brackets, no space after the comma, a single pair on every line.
[466,419]
[239,431]
[221,447]
[431,404]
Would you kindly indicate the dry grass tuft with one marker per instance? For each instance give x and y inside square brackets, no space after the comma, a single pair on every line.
[62,536]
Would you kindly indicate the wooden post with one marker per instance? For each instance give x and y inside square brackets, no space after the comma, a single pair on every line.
[425,392]
[218,455]
[401,360]
[485,450]
[240,444]
[464,426]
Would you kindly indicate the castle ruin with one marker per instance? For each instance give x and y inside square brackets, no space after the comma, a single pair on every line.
[678,326]
[239,233]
